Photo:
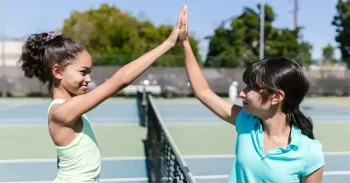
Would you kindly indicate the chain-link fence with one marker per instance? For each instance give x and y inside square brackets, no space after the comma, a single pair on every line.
[174,80]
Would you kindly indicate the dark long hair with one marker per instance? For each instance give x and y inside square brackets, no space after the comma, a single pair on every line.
[287,75]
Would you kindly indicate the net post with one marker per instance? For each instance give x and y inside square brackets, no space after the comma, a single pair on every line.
[144,105]
[141,99]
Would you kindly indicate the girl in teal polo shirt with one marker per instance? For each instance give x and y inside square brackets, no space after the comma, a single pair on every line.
[275,142]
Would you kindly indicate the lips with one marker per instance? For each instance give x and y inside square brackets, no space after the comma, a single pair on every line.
[84,87]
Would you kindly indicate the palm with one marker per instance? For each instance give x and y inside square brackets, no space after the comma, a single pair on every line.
[176,31]
[183,33]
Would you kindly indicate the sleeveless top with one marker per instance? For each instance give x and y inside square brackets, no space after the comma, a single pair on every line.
[79,161]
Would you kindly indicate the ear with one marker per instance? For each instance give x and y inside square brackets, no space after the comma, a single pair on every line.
[56,71]
[277,97]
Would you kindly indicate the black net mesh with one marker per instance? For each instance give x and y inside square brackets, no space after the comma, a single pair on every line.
[165,162]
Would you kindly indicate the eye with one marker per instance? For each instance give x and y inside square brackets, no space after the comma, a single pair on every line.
[84,72]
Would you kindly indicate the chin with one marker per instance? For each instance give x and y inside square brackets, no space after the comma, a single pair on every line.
[77,93]
[81,92]
[248,110]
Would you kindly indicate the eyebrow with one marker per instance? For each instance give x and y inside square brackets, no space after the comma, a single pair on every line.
[87,68]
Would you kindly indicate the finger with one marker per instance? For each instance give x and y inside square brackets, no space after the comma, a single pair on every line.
[181,15]
[184,21]
[186,18]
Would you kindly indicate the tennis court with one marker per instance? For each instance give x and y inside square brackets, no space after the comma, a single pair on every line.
[207,143]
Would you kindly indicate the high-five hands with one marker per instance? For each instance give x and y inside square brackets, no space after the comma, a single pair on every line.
[179,28]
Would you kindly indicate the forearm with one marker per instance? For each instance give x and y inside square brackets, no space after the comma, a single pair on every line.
[198,82]
[72,108]
[132,70]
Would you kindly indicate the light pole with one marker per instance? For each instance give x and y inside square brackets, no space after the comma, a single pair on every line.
[3,75]
[262,27]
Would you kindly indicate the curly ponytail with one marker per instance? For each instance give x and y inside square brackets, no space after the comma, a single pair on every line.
[41,51]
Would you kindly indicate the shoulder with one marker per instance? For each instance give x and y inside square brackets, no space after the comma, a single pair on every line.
[54,103]
[313,155]
[52,107]
[245,121]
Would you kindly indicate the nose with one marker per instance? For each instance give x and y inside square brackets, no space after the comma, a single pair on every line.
[88,78]
[242,94]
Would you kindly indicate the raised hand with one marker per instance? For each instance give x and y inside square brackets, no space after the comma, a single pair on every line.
[183,34]
[173,37]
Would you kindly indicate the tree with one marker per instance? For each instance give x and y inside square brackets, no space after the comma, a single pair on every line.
[328,54]
[342,23]
[238,45]
[115,37]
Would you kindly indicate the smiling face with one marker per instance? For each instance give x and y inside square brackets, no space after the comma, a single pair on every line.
[75,76]
[254,103]
[276,84]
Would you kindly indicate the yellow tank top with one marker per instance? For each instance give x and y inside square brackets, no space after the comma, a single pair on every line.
[80,161]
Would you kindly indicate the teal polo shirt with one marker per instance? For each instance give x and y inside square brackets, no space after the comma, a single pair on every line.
[283,165]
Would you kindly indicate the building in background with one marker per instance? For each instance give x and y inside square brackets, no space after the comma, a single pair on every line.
[11,52]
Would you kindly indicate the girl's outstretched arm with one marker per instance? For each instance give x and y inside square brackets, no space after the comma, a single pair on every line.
[199,84]
[71,109]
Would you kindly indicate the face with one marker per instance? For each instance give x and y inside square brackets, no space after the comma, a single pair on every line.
[253,101]
[75,77]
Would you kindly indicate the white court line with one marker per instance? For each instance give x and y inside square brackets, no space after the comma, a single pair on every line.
[91,118]
[141,179]
[11,106]
[321,117]
[132,123]
[201,177]
[232,156]
[178,119]
[223,123]
[336,153]
[337,173]
[143,158]
[125,180]
[206,177]
[54,160]
[115,123]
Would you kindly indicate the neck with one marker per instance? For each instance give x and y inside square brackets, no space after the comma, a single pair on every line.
[276,125]
[60,93]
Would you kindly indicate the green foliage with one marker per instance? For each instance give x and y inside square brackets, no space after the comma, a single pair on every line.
[114,37]
[342,23]
[238,45]
[328,54]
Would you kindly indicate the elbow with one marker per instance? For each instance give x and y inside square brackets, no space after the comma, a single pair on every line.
[125,78]
[200,89]
[122,80]
[201,94]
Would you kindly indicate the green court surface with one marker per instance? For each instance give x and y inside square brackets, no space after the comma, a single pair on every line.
[220,139]
[334,100]
[33,142]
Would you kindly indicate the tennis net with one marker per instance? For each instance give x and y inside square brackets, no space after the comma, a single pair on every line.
[166,165]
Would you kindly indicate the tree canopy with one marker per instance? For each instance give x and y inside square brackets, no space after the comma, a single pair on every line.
[114,37]
[238,44]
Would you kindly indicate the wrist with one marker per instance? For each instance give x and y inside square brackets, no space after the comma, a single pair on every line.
[168,44]
[185,43]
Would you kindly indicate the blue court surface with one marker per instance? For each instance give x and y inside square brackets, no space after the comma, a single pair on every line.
[30,114]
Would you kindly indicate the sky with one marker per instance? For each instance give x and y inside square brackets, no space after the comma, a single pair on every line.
[23,17]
